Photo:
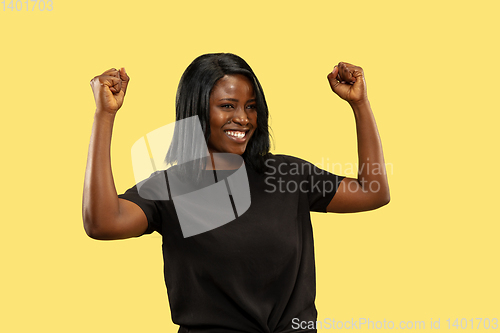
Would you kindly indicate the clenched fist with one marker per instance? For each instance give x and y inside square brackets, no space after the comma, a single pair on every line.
[348,81]
[109,90]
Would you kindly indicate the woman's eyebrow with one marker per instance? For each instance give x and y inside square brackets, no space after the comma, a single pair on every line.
[236,100]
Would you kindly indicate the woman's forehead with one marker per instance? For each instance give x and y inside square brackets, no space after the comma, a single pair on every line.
[233,84]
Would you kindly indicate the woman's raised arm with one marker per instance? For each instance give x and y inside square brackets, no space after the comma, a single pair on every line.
[371,189]
[105,216]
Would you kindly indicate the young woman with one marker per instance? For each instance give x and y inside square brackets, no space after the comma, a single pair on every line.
[256,273]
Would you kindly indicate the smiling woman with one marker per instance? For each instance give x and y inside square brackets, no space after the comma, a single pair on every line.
[256,273]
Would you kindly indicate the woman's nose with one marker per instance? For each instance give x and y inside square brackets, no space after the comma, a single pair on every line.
[240,117]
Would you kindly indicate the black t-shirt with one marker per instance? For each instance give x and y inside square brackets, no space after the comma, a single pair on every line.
[255,273]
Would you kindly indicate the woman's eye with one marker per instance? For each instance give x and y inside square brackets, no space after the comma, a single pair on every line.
[226,106]
[252,106]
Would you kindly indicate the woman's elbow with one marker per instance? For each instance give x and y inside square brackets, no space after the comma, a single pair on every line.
[90,229]
[383,199]
[94,230]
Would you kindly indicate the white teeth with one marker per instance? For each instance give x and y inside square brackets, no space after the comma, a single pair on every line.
[236,134]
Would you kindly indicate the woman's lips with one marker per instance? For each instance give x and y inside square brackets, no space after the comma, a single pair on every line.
[238,136]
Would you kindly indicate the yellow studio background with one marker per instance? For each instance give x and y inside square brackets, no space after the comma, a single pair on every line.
[432,74]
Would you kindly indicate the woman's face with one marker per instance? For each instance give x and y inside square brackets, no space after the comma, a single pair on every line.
[233,115]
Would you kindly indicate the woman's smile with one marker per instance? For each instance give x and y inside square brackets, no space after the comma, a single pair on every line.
[237,135]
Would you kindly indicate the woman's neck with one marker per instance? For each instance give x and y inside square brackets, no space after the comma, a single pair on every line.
[223,161]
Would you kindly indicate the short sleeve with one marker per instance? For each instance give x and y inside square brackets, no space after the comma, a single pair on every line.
[323,186]
[319,185]
[151,208]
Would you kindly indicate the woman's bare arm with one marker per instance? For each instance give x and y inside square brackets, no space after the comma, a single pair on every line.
[371,189]
[105,216]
